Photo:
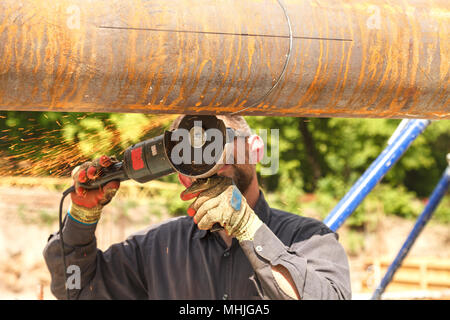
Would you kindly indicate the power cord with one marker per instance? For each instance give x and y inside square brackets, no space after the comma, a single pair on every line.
[65,194]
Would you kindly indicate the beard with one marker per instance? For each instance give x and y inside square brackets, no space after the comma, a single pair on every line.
[242,176]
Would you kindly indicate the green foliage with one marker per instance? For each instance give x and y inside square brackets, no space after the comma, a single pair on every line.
[354,242]
[131,127]
[399,201]
[42,143]
[320,156]
[346,147]
[103,134]
[174,204]
[342,150]
[385,199]
[31,216]
[442,212]
[288,199]
[92,137]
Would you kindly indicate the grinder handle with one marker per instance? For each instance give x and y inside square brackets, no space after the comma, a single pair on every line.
[111,173]
[216,227]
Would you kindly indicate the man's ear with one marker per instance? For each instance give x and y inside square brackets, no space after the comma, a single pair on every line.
[256,148]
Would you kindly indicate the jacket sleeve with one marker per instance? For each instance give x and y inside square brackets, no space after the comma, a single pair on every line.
[318,265]
[93,274]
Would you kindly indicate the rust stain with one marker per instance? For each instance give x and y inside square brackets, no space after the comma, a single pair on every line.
[350,46]
[237,71]
[300,57]
[251,48]
[339,80]
[319,62]
[158,64]
[399,69]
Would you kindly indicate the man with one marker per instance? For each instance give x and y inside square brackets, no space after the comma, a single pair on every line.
[262,253]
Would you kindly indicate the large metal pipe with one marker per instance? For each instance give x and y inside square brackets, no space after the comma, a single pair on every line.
[329,58]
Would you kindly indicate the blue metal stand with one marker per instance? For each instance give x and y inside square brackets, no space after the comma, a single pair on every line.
[400,141]
[433,202]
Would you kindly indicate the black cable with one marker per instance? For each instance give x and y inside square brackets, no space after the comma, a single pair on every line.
[65,193]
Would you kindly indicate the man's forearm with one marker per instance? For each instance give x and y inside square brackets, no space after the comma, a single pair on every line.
[283,271]
[285,281]
[263,256]
[80,253]
[112,274]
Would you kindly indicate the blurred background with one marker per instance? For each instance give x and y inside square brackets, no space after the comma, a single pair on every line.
[319,160]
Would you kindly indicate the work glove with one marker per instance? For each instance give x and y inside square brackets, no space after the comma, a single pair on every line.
[87,205]
[218,200]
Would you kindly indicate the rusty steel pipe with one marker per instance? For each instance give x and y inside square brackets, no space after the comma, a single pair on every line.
[329,58]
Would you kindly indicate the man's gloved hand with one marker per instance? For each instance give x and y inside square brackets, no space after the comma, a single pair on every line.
[220,201]
[87,205]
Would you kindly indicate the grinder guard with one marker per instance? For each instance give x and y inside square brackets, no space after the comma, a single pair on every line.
[200,138]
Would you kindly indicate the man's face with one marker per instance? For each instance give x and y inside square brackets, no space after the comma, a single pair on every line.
[240,169]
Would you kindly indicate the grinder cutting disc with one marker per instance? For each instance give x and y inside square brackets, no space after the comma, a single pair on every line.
[186,146]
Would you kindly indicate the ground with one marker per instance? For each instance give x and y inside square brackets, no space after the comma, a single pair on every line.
[29,215]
